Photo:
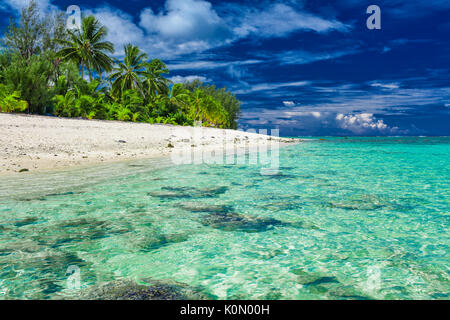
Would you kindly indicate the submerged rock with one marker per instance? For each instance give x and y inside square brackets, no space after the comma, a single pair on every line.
[229,221]
[368,202]
[200,207]
[311,278]
[152,290]
[155,241]
[303,225]
[48,196]
[78,230]
[4,229]
[167,195]
[70,193]
[23,246]
[279,176]
[281,206]
[328,286]
[25,222]
[44,269]
[347,293]
[354,205]
[264,254]
[188,192]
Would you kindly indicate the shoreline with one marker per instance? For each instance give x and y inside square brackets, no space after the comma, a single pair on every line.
[39,144]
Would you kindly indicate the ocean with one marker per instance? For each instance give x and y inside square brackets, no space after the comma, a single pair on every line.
[343,218]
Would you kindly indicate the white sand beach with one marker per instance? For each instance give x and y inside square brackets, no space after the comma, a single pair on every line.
[30,143]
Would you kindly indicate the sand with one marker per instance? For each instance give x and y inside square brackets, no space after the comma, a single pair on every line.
[30,143]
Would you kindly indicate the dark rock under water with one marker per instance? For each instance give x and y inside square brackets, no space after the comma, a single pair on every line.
[328,286]
[49,196]
[188,192]
[151,290]
[44,268]
[200,207]
[229,221]
[25,222]
[156,241]
[78,230]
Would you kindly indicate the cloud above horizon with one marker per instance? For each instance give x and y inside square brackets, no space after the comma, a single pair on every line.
[194,26]
[319,123]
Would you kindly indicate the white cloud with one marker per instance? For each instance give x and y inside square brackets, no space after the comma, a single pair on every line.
[188,20]
[289,103]
[305,57]
[181,79]
[280,20]
[271,86]
[184,27]
[204,65]
[316,114]
[362,123]
[44,6]
[389,86]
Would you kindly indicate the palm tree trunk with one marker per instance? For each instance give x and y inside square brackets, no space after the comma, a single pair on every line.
[82,70]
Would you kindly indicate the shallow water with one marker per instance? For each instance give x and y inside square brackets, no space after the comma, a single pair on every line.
[358,218]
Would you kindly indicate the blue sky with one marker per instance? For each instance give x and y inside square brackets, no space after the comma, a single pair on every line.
[305,67]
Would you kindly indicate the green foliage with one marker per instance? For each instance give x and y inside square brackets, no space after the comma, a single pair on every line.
[226,99]
[10,101]
[26,39]
[154,81]
[86,47]
[65,105]
[43,66]
[127,74]
[31,78]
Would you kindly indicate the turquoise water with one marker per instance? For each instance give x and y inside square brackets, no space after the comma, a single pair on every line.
[357,218]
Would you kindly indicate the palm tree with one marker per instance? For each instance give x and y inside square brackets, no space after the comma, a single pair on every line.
[202,105]
[210,110]
[178,96]
[127,74]
[196,101]
[87,47]
[155,82]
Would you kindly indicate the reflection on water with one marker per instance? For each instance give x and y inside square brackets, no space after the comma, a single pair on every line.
[338,210]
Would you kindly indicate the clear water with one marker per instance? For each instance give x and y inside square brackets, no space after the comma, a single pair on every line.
[359,218]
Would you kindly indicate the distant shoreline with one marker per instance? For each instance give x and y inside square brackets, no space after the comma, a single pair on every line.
[31,143]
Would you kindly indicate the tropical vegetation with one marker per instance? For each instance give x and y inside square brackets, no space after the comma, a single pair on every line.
[49,70]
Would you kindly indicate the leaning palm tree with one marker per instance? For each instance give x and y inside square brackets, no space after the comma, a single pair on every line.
[87,48]
[127,74]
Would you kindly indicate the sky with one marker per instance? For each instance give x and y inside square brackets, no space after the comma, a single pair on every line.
[306,67]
